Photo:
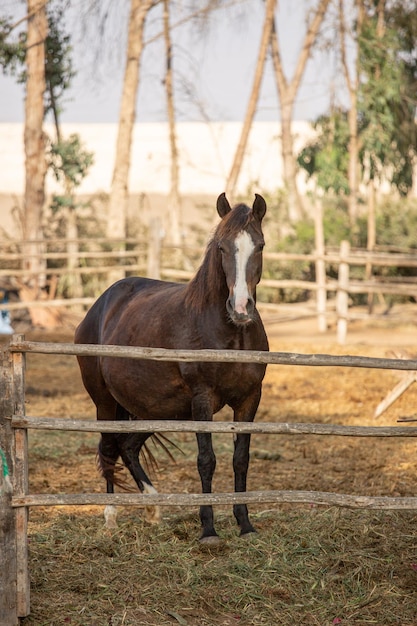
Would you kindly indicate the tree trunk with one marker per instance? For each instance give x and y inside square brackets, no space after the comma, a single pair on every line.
[174,201]
[287,92]
[371,239]
[289,164]
[74,283]
[34,140]
[352,85]
[353,164]
[254,96]
[116,223]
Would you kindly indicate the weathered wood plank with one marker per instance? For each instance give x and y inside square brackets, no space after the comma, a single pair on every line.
[21,488]
[196,499]
[281,428]
[8,602]
[225,356]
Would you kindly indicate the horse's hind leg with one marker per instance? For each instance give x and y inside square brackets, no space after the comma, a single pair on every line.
[108,453]
[130,446]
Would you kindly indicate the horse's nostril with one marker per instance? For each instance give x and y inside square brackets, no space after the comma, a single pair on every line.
[229,306]
[240,313]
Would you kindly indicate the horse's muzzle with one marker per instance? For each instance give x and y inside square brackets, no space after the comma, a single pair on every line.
[242,313]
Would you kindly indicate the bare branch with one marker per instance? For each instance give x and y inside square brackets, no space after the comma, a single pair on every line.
[307,44]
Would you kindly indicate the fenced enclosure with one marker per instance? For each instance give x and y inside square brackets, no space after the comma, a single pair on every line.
[14,426]
[73,279]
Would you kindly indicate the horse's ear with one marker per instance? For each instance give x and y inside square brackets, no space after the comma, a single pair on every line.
[259,207]
[223,206]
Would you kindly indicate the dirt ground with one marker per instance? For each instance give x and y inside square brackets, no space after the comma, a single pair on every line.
[307,565]
[66,462]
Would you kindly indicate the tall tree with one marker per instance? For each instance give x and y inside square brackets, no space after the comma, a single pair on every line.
[34,138]
[386,107]
[352,82]
[116,223]
[43,63]
[174,201]
[66,157]
[253,100]
[287,92]
[387,97]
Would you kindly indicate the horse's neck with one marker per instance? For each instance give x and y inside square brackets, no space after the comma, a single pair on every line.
[208,287]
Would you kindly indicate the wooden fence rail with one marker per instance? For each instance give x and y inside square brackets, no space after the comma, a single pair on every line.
[224,356]
[14,425]
[170,426]
[147,256]
[197,499]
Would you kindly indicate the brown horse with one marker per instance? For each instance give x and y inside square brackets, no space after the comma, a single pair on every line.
[215,310]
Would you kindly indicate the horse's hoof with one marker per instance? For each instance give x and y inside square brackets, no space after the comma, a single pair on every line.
[249,535]
[152,515]
[211,541]
[110,517]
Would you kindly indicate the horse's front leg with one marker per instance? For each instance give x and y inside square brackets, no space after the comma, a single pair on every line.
[243,413]
[240,468]
[206,463]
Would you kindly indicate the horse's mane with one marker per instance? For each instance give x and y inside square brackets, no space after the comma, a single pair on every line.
[203,288]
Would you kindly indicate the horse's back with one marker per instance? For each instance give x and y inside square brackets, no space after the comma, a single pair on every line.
[111,305]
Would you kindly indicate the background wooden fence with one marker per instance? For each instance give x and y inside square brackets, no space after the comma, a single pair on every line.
[14,424]
[95,268]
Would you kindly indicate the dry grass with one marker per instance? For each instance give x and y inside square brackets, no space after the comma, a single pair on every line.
[305,566]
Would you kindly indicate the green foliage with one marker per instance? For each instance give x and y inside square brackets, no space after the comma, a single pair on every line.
[388,136]
[327,156]
[396,227]
[58,50]
[336,223]
[396,224]
[58,61]
[69,160]
[387,105]
[12,53]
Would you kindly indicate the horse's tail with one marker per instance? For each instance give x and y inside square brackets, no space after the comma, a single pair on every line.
[159,441]
[107,463]
[110,469]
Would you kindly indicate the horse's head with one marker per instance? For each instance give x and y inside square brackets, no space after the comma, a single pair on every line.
[240,240]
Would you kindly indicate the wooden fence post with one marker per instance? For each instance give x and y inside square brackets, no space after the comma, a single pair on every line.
[154,249]
[21,483]
[8,567]
[321,296]
[342,297]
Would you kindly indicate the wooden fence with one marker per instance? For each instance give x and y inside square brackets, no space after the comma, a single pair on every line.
[149,257]
[14,424]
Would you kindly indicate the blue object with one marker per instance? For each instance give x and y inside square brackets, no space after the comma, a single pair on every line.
[5,321]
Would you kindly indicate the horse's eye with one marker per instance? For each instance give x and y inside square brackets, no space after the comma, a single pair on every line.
[260,247]
[220,246]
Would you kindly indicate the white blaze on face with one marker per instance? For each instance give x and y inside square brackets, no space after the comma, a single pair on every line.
[244,248]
